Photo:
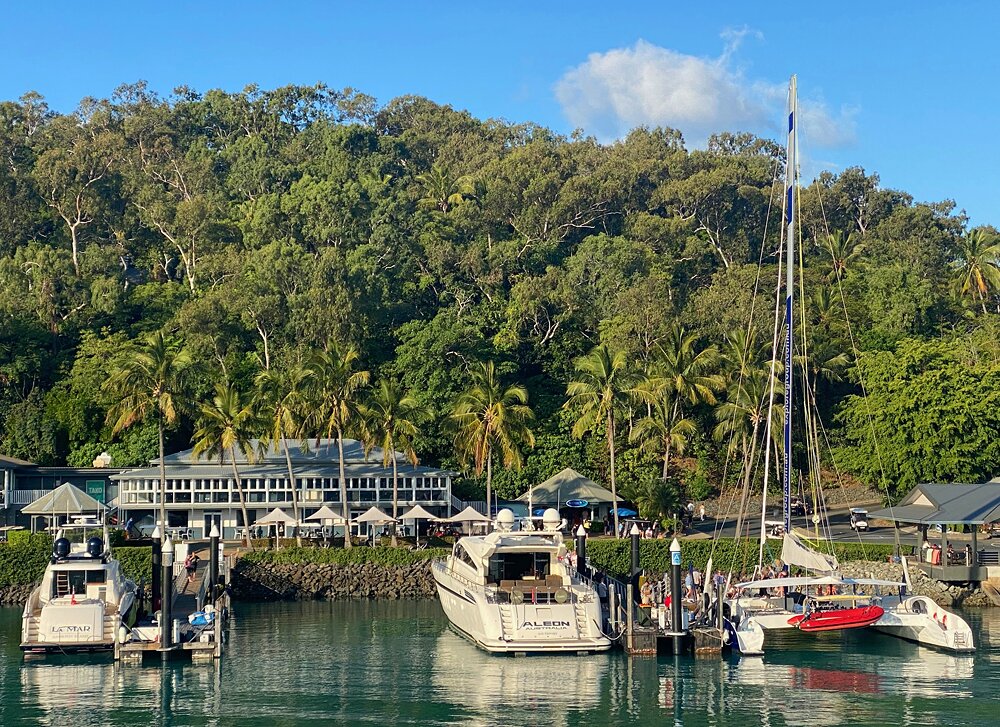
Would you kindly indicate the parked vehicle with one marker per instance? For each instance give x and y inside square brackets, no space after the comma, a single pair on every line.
[859,518]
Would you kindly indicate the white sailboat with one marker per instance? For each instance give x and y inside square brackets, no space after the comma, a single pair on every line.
[824,600]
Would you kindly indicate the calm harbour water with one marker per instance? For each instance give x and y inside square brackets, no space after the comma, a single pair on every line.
[398,663]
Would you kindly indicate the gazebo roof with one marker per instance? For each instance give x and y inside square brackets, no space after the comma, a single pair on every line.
[938,504]
[567,485]
[276,516]
[64,500]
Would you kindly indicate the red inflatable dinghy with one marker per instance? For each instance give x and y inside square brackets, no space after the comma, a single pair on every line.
[839,618]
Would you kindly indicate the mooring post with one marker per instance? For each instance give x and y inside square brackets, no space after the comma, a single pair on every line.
[581,552]
[154,591]
[167,577]
[213,563]
[634,579]
[675,595]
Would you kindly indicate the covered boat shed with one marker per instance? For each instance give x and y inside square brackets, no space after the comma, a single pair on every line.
[976,506]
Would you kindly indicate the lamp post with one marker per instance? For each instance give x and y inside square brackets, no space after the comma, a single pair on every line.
[166,574]
[154,592]
[581,551]
[675,594]
[213,563]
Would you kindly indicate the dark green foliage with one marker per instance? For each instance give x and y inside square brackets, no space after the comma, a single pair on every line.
[739,556]
[339,556]
[136,563]
[263,225]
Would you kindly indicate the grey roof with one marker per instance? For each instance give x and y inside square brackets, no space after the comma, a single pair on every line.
[205,470]
[64,500]
[12,461]
[939,504]
[567,485]
[314,451]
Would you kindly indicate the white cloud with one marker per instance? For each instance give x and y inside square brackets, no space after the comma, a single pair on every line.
[646,85]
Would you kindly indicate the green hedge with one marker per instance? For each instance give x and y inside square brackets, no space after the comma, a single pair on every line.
[614,556]
[137,563]
[340,556]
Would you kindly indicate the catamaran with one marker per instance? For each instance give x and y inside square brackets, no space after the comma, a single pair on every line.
[515,591]
[823,600]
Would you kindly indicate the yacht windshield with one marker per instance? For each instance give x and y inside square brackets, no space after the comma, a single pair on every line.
[519,566]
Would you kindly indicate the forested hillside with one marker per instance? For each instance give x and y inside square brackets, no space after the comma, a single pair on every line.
[259,228]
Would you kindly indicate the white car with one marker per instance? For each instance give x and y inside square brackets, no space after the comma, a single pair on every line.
[859,519]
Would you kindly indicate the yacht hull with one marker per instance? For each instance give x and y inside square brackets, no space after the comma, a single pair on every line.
[919,619]
[503,628]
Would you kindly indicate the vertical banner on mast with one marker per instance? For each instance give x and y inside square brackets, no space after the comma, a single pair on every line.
[791,164]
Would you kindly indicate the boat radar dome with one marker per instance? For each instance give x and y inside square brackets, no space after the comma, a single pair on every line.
[95,547]
[60,548]
[505,520]
[551,519]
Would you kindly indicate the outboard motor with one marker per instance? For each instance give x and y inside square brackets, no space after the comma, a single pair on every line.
[95,547]
[60,549]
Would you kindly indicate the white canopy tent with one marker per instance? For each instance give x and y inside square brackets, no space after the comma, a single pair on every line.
[374,516]
[325,514]
[66,500]
[276,517]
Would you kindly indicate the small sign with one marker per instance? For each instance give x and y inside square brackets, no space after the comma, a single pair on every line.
[675,558]
[576,503]
[95,488]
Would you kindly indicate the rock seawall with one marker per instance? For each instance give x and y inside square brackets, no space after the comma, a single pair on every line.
[943,594]
[288,582]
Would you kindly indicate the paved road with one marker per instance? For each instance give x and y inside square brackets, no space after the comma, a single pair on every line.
[839,530]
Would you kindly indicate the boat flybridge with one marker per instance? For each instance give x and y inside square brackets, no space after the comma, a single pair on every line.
[827,601]
[514,591]
[82,601]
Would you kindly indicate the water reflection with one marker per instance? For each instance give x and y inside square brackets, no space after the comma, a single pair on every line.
[398,663]
[546,688]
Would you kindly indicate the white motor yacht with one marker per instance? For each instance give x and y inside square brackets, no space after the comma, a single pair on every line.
[515,591]
[81,603]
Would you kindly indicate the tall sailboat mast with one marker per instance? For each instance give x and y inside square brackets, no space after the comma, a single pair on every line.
[791,171]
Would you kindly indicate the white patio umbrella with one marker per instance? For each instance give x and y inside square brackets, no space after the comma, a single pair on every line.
[328,517]
[469,515]
[375,516]
[276,517]
[417,513]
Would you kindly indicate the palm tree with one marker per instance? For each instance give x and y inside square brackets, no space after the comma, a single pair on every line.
[488,417]
[150,381]
[658,433]
[442,191]
[683,374]
[844,250]
[741,417]
[226,424]
[604,387]
[281,398]
[978,263]
[337,397]
[391,418]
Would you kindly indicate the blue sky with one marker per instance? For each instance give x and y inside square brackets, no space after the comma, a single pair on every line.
[914,97]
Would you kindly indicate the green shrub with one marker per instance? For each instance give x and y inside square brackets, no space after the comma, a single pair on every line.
[137,563]
[339,556]
[740,556]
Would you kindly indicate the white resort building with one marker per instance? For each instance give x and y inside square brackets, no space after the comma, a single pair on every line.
[202,492]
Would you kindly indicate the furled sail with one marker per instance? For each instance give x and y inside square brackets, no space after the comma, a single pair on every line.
[794,552]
